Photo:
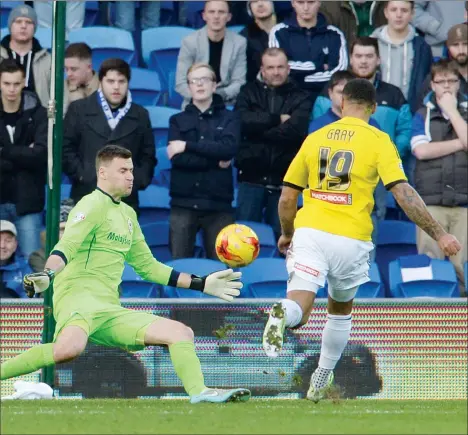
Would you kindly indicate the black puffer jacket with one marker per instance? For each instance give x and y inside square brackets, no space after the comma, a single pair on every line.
[197,180]
[267,145]
[442,181]
[23,163]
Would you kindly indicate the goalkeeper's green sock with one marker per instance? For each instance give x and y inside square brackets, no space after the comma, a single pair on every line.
[28,362]
[187,366]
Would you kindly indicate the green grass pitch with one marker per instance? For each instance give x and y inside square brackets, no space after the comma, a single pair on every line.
[254,417]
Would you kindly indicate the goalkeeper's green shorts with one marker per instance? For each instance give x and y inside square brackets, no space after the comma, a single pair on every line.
[112,326]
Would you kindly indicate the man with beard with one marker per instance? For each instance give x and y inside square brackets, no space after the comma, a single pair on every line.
[457,45]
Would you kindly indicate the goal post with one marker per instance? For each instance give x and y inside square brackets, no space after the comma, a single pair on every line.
[54,162]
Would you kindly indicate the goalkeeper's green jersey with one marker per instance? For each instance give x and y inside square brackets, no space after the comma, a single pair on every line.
[102,234]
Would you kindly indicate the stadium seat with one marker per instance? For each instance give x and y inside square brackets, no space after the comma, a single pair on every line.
[154,204]
[420,276]
[395,239]
[91,13]
[105,42]
[266,236]
[157,237]
[466,277]
[374,288]
[160,49]
[5,9]
[236,28]
[162,171]
[145,87]
[168,14]
[265,278]
[193,11]
[159,117]
[133,285]
[196,266]
[393,210]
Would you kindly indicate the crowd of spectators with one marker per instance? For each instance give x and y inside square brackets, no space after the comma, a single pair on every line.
[249,100]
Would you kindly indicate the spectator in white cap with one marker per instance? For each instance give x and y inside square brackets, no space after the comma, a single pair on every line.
[257,33]
[26,50]
[12,266]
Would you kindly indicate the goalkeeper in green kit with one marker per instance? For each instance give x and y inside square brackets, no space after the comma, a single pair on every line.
[102,233]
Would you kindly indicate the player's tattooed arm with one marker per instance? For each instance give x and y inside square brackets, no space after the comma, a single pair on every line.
[287,209]
[416,210]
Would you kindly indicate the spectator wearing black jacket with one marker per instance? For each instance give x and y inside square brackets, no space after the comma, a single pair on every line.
[275,114]
[108,115]
[23,156]
[257,33]
[203,140]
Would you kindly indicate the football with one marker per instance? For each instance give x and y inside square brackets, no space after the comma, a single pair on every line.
[237,245]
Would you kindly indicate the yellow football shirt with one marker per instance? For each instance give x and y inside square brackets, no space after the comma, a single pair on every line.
[337,168]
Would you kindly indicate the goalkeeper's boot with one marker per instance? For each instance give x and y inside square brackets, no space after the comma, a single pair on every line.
[274,330]
[30,391]
[317,393]
[217,395]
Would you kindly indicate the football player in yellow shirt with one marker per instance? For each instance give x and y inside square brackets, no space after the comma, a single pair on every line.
[337,169]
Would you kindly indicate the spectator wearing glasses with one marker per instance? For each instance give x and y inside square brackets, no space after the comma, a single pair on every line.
[203,140]
[440,144]
[215,45]
[457,46]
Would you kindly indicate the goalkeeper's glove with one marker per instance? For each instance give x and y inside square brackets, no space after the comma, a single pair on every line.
[37,282]
[224,284]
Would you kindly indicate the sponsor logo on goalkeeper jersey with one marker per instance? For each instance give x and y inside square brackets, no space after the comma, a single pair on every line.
[79,217]
[118,238]
[333,198]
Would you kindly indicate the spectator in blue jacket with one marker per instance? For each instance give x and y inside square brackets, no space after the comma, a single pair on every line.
[406,57]
[315,50]
[335,93]
[203,140]
[12,265]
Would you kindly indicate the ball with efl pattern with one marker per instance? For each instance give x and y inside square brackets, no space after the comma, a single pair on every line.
[237,245]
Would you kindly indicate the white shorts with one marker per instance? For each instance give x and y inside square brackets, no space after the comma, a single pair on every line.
[316,256]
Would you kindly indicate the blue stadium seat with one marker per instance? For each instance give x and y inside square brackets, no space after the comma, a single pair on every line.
[5,9]
[44,36]
[65,190]
[168,14]
[160,49]
[193,11]
[133,286]
[266,236]
[145,87]
[420,276]
[157,237]
[265,278]
[395,239]
[162,171]
[159,117]
[374,288]
[236,28]
[91,13]
[393,210]
[466,277]
[154,204]
[196,266]
[105,42]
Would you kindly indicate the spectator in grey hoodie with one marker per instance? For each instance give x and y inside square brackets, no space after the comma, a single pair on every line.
[405,57]
[435,18]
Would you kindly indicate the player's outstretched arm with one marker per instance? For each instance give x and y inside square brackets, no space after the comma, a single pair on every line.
[39,282]
[415,208]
